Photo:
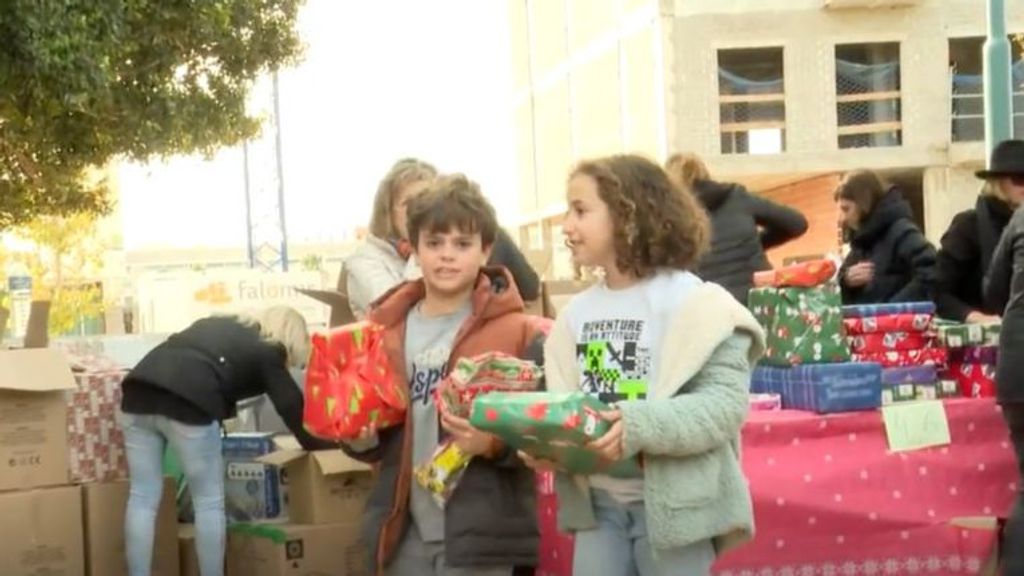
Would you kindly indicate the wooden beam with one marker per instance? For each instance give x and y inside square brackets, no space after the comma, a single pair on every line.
[750,98]
[868,96]
[870,128]
[748,126]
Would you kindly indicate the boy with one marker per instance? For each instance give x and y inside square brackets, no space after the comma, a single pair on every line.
[458,309]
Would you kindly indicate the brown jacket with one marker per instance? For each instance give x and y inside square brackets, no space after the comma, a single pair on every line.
[490,519]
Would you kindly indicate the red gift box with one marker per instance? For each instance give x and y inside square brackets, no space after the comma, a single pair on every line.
[350,384]
[803,275]
[903,358]
[889,323]
[95,442]
[975,380]
[889,341]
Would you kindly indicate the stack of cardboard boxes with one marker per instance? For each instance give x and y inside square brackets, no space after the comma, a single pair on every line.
[58,527]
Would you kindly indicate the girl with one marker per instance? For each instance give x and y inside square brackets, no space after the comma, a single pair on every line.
[384,260]
[890,260]
[179,392]
[743,226]
[672,355]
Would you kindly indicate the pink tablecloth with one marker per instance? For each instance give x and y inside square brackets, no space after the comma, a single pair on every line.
[830,499]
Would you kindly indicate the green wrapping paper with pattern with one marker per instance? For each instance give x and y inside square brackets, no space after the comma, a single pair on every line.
[802,325]
[955,335]
[551,426]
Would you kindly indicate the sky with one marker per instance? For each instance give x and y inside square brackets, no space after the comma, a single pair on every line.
[380,80]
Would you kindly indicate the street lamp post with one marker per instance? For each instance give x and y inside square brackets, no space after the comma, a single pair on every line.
[998,91]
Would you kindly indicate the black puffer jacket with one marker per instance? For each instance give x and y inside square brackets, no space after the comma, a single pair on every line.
[743,226]
[1004,292]
[964,255]
[904,259]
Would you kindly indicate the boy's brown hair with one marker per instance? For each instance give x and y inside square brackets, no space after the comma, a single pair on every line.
[452,202]
[862,187]
[657,222]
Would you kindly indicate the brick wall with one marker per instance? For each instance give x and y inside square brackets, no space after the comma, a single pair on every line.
[812,197]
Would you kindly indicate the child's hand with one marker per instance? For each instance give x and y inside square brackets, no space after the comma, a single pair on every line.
[536,464]
[470,440]
[611,446]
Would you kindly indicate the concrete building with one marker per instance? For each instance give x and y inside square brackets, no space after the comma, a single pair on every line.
[781,95]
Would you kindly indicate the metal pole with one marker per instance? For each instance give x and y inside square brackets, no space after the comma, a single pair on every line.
[998,96]
[250,249]
[280,174]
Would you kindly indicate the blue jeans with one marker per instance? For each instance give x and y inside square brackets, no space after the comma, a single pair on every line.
[619,545]
[199,450]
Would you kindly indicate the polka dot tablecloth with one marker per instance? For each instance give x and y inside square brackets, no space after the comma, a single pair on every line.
[831,500]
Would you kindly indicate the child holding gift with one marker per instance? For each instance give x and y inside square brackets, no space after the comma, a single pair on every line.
[458,309]
[673,355]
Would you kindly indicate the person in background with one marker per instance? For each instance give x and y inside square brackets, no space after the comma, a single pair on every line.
[457,309]
[966,248]
[890,260]
[384,259]
[179,393]
[684,347]
[743,226]
[1004,292]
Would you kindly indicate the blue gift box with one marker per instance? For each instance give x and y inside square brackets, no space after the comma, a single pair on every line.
[823,388]
[252,490]
[871,310]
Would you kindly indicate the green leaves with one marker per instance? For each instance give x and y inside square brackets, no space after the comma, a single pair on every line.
[83,82]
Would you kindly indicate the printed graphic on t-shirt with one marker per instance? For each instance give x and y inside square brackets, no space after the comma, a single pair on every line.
[427,370]
[614,362]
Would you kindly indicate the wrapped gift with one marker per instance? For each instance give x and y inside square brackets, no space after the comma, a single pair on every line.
[925,392]
[803,275]
[869,310]
[822,388]
[892,393]
[910,375]
[946,388]
[802,325]
[953,335]
[489,372]
[762,402]
[886,341]
[442,472]
[550,426]
[974,380]
[95,442]
[904,358]
[350,384]
[889,323]
[974,355]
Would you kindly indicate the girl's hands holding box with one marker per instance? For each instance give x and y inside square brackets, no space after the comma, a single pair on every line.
[611,446]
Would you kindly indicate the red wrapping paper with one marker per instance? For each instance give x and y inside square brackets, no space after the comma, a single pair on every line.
[889,323]
[975,380]
[350,384]
[903,358]
[889,341]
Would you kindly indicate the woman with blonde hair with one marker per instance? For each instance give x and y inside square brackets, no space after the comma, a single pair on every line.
[966,248]
[743,226]
[385,258]
[179,393]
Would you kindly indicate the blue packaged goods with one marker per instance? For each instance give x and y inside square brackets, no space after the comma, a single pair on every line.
[869,310]
[927,374]
[822,388]
[252,490]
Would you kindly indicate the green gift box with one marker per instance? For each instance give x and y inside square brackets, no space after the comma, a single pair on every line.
[802,325]
[956,335]
[551,426]
[948,389]
[892,393]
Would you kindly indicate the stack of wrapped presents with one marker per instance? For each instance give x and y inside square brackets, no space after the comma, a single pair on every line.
[807,361]
[973,353]
[902,339]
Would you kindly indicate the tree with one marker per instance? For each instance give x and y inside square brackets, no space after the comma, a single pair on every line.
[85,81]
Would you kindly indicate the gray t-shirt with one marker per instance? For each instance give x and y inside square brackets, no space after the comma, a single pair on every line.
[428,344]
[618,347]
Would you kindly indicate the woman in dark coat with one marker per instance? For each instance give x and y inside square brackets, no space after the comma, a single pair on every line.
[890,260]
[743,226]
[967,246]
[179,393]
[1004,291]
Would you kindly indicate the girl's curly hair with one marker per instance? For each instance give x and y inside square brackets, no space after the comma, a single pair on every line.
[658,224]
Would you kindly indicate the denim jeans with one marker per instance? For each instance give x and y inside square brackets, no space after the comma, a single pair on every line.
[1013,536]
[199,450]
[619,545]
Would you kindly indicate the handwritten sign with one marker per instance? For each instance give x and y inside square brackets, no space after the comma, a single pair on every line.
[916,425]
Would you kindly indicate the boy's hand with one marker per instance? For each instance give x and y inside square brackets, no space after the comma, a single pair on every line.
[536,464]
[611,446]
[470,440]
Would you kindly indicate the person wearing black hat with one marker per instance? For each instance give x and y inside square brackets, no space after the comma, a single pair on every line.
[967,246]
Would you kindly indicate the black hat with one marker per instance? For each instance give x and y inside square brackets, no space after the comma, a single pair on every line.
[1007,160]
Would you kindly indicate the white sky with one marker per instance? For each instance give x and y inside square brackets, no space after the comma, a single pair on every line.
[381,80]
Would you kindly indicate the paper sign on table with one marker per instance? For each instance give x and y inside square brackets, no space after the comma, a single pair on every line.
[916,425]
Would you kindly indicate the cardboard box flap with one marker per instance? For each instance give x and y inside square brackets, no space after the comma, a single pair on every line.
[281,457]
[337,462]
[329,297]
[35,370]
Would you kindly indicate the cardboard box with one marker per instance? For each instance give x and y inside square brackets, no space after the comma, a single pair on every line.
[252,490]
[41,534]
[296,550]
[104,513]
[324,487]
[33,418]
[188,559]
